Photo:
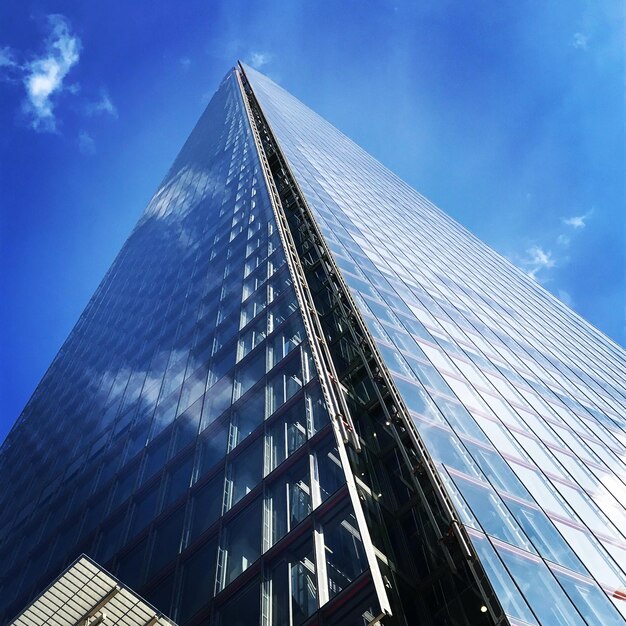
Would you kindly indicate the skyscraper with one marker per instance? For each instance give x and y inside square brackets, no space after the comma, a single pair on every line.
[302,394]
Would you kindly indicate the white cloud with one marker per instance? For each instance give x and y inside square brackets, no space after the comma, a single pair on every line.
[565,297]
[45,75]
[580,41]
[7,57]
[185,62]
[10,68]
[103,106]
[86,144]
[538,259]
[563,240]
[259,59]
[577,221]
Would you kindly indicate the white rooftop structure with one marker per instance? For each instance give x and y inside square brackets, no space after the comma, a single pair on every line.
[86,595]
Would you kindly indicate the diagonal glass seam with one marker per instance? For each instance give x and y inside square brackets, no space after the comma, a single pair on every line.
[395,409]
[337,408]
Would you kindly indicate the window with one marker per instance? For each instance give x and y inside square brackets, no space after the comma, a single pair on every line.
[589,599]
[186,428]
[212,448]
[249,373]
[243,473]
[284,340]
[193,389]
[541,531]
[284,383]
[240,542]
[543,593]
[243,609]
[130,566]
[246,416]
[491,513]
[330,472]
[198,574]
[216,400]
[144,510]
[288,502]
[206,506]
[512,601]
[124,485]
[287,433]
[251,338]
[166,541]
[155,458]
[177,481]
[344,552]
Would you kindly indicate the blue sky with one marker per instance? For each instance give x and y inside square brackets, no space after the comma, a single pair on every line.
[508,115]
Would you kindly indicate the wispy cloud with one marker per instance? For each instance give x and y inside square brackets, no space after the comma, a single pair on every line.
[10,68]
[7,57]
[44,79]
[102,106]
[565,297]
[259,59]
[86,143]
[185,62]
[577,221]
[44,76]
[537,259]
[580,41]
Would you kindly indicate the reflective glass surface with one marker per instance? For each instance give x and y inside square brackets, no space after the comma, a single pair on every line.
[179,437]
[520,402]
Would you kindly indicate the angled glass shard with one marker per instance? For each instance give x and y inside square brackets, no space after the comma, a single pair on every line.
[303,394]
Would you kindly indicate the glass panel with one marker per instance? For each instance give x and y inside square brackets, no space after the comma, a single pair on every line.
[288,501]
[287,433]
[246,416]
[491,513]
[344,553]
[284,383]
[589,599]
[124,486]
[244,609]
[544,535]
[244,473]
[249,373]
[212,448]
[198,581]
[111,539]
[144,511]
[543,593]
[241,541]
[216,401]
[177,481]
[155,458]
[206,506]
[130,566]
[507,592]
[166,540]
[330,472]
[285,340]
[303,589]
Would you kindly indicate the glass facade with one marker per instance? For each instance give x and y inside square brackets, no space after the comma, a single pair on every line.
[520,402]
[304,395]
[179,438]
